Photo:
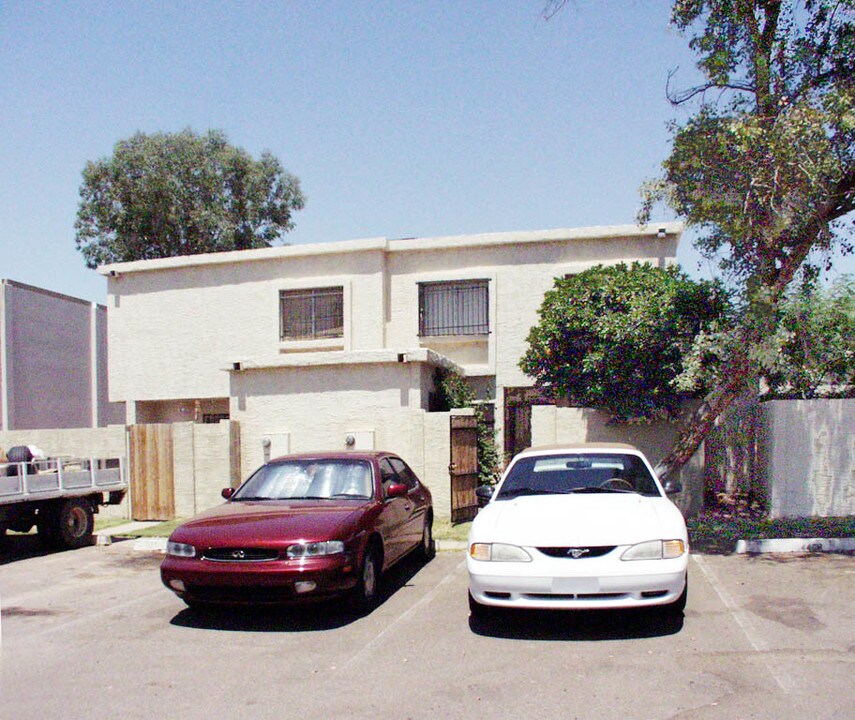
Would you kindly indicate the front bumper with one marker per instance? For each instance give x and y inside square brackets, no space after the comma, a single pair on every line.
[582,584]
[272,582]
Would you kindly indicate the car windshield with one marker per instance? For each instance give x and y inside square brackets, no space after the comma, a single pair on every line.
[316,479]
[578,473]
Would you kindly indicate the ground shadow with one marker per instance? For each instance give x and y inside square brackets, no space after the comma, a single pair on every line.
[577,625]
[303,617]
[15,547]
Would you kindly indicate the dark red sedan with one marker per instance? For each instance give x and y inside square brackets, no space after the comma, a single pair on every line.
[303,527]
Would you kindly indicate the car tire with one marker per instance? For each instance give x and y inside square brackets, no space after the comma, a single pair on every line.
[477,610]
[427,548]
[75,523]
[679,605]
[365,594]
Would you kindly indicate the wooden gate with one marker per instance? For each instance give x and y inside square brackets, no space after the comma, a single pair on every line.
[152,481]
[463,467]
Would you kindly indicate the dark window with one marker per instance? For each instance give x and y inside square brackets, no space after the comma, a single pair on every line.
[214,418]
[406,476]
[454,308]
[311,314]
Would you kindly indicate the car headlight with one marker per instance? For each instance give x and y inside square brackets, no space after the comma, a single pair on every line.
[315,549]
[655,550]
[498,552]
[180,549]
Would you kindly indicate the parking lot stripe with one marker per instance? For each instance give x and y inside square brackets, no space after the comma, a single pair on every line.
[743,619]
[412,610]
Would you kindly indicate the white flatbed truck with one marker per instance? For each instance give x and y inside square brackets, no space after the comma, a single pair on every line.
[59,496]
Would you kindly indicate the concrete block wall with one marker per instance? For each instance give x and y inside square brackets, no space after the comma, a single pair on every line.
[203,463]
[552,425]
[103,442]
[808,457]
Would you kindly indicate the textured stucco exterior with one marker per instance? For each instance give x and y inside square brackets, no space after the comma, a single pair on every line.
[176,323]
[53,361]
[201,334]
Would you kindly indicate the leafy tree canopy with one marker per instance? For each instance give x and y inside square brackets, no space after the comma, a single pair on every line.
[614,337]
[764,168]
[170,194]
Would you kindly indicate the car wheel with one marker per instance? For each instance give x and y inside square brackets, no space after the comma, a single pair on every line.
[427,549]
[477,610]
[365,593]
[679,605]
[75,524]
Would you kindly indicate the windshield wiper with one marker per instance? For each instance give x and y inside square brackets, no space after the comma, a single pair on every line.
[596,489]
[252,497]
[517,492]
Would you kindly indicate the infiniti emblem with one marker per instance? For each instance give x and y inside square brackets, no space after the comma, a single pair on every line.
[576,553]
[238,554]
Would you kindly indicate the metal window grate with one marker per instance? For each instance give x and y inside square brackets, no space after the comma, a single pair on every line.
[454,308]
[311,314]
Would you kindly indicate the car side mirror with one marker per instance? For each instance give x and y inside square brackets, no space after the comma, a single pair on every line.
[396,490]
[227,492]
[672,487]
[484,493]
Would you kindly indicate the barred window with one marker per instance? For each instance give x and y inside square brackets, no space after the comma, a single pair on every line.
[311,314]
[453,308]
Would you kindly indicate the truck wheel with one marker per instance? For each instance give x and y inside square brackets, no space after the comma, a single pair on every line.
[75,523]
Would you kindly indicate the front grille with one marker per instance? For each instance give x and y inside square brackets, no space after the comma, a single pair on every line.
[240,554]
[577,553]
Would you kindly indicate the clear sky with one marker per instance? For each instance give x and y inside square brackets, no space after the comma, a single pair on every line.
[401,118]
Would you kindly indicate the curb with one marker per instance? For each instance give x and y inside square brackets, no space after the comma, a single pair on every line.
[797,545]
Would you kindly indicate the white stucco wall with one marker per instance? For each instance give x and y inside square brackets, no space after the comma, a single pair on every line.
[520,268]
[173,329]
[174,323]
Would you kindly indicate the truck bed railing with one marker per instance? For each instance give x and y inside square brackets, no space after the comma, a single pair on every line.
[58,477]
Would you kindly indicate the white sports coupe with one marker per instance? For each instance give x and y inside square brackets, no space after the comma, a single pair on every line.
[578,527]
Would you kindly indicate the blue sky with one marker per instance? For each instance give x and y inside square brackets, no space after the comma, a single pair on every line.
[401,118]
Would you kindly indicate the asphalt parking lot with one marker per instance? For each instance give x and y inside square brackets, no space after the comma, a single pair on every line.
[92,632]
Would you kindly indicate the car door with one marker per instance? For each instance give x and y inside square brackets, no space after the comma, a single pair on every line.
[394,514]
[415,507]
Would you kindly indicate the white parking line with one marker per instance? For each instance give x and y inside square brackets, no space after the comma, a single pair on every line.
[428,597]
[743,619]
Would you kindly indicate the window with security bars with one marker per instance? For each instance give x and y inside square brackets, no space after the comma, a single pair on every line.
[454,308]
[311,314]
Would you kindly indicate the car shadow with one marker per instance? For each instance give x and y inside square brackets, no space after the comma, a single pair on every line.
[577,625]
[17,546]
[298,617]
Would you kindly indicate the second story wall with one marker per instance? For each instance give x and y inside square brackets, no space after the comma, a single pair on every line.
[517,270]
[175,327]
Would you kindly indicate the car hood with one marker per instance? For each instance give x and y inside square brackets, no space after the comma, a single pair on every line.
[263,523]
[577,520]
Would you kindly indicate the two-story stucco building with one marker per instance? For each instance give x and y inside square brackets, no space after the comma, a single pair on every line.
[332,345]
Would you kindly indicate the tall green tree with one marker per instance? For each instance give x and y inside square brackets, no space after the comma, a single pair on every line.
[764,168]
[816,348]
[614,337]
[170,194]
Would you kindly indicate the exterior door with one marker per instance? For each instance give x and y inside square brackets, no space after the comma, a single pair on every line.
[152,481]
[463,467]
